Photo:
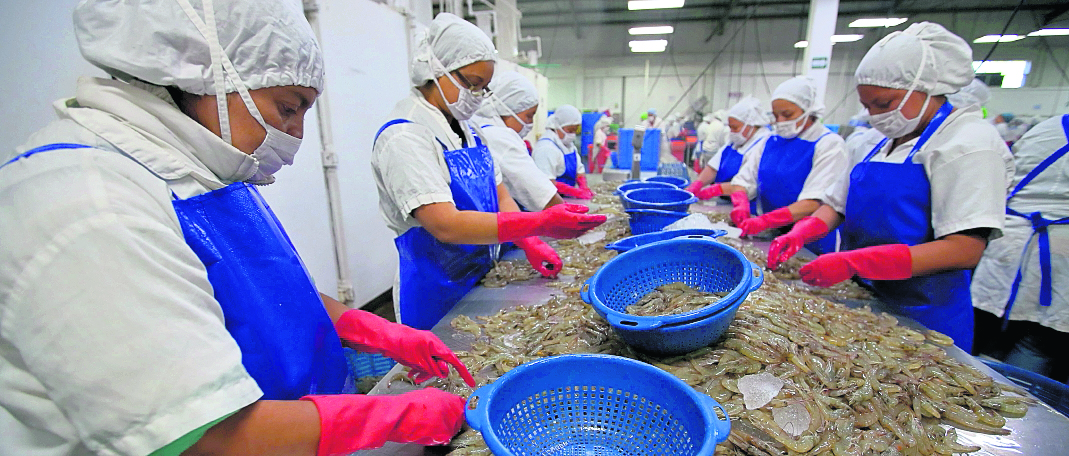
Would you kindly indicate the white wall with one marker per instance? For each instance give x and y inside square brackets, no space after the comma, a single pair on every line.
[41,64]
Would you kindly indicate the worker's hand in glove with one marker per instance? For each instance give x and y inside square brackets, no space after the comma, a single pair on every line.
[570,191]
[352,422]
[562,221]
[881,262]
[804,231]
[544,259]
[775,219]
[740,211]
[694,187]
[422,351]
[581,181]
[710,192]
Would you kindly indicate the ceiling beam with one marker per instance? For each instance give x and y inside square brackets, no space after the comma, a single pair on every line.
[1053,15]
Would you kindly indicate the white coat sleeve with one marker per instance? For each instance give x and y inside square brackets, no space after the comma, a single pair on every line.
[969,191]
[413,169]
[714,161]
[109,311]
[830,161]
[747,176]
[548,159]
[526,183]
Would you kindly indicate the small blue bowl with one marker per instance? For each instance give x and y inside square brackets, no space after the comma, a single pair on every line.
[665,199]
[679,182]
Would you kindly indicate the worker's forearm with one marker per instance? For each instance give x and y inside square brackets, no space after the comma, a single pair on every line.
[707,175]
[451,226]
[732,189]
[555,200]
[955,251]
[803,208]
[264,428]
[829,216]
[505,203]
[334,307]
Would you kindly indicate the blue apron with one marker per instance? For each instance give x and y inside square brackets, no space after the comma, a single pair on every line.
[731,162]
[1039,227]
[891,203]
[785,165]
[436,275]
[270,304]
[571,164]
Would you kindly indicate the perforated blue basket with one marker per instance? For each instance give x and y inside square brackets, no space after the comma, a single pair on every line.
[640,240]
[595,405]
[679,182]
[644,221]
[367,364]
[701,263]
[665,199]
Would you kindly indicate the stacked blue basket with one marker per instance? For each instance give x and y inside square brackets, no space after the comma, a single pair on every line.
[702,263]
[680,182]
[595,405]
[663,199]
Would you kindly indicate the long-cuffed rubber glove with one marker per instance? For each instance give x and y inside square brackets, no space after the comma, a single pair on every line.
[775,219]
[806,230]
[740,202]
[541,256]
[694,187]
[710,192]
[353,422]
[420,350]
[571,192]
[562,221]
[581,181]
[881,262]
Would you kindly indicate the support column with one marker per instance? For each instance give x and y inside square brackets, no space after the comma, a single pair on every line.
[821,26]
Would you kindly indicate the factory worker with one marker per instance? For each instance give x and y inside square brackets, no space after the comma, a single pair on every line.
[711,135]
[918,211]
[974,94]
[674,125]
[504,119]
[601,142]
[439,189]
[1002,125]
[153,304]
[556,155]
[747,132]
[651,120]
[790,174]
[862,139]
[1025,273]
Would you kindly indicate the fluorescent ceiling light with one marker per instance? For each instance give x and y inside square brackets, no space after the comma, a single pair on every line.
[648,45]
[878,22]
[1013,71]
[998,39]
[1050,32]
[834,39]
[651,30]
[653,4]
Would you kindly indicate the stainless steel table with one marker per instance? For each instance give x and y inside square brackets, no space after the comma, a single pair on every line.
[1041,432]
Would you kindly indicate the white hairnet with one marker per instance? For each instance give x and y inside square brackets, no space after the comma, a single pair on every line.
[512,94]
[976,93]
[455,42]
[269,42]
[942,59]
[749,111]
[564,116]
[802,91]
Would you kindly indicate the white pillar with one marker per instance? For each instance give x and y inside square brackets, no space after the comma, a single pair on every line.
[821,26]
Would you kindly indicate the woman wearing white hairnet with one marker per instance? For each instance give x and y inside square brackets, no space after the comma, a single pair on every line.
[556,155]
[1023,275]
[918,211]
[153,303]
[439,188]
[747,133]
[789,175]
[504,120]
[601,142]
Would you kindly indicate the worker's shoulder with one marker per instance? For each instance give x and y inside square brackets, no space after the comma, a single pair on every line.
[965,132]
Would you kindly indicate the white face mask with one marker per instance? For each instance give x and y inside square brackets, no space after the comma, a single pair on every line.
[740,138]
[467,103]
[791,128]
[569,139]
[894,124]
[525,128]
[278,149]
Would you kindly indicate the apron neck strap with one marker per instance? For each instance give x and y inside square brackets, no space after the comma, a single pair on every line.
[933,125]
[1046,162]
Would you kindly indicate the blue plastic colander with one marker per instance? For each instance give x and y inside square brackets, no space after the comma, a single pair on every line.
[664,199]
[644,221]
[640,240]
[677,181]
[701,263]
[596,405]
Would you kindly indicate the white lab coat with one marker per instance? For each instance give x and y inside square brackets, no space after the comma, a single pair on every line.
[748,149]
[525,182]
[1046,193]
[712,136]
[830,163]
[861,142]
[112,341]
[549,156]
[968,167]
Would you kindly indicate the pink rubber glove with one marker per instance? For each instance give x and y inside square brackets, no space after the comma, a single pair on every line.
[881,262]
[352,422]
[741,211]
[775,219]
[581,180]
[420,350]
[562,221]
[694,187]
[803,232]
[569,191]
[710,192]
[544,259]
